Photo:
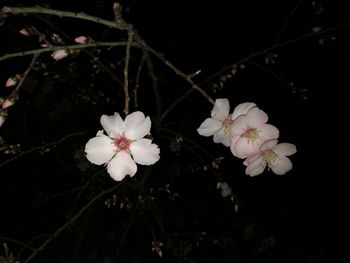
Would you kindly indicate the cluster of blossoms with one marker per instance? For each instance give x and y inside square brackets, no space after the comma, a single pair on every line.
[249,137]
[124,146]
[245,131]
[55,39]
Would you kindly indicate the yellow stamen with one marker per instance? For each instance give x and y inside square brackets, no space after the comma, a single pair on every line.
[270,158]
[252,134]
[226,124]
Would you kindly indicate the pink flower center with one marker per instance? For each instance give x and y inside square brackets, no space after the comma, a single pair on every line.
[252,134]
[226,124]
[122,143]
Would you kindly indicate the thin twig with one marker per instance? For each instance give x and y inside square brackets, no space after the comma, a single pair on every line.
[270,72]
[47,11]
[37,148]
[25,74]
[82,189]
[86,51]
[137,80]
[66,47]
[126,74]
[277,39]
[70,221]
[15,93]
[187,77]
[24,245]
[276,46]
[119,23]
[56,195]
[175,103]
[154,79]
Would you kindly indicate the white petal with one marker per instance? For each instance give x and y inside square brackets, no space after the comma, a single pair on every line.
[242,109]
[209,127]
[268,132]
[243,148]
[256,117]
[121,165]
[268,145]
[239,125]
[233,142]
[285,149]
[251,158]
[222,137]
[144,152]
[282,165]
[113,125]
[100,149]
[136,125]
[256,167]
[221,109]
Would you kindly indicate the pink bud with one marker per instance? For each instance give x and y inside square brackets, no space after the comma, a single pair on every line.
[25,32]
[7,103]
[12,81]
[59,54]
[81,40]
[44,45]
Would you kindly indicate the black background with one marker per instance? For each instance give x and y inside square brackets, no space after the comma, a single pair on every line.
[296,211]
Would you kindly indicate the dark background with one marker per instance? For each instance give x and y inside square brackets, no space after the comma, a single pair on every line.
[290,218]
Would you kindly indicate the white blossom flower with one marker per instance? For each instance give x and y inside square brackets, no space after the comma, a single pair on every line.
[272,155]
[221,120]
[250,132]
[124,145]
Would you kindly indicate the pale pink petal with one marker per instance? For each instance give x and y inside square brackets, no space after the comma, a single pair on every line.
[239,126]
[243,148]
[144,152]
[113,125]
[242,109]
[221,109]
[285,149]
[81,39]
[251,158]
[222,137]
[7,103]
[267,145]
[233,141]
[268,132]
[121,165]
[137,126]
[256,117]
[12,81]
[59,54]
[281,165]
[100,149]
[256,167]
[209,127]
